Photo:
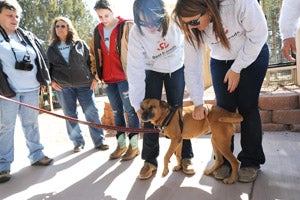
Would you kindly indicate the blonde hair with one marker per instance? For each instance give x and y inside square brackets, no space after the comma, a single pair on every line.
[72,33]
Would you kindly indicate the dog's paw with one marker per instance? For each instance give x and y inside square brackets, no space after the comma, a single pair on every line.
[165,172]
[229,180]
[176,168]
[208,172]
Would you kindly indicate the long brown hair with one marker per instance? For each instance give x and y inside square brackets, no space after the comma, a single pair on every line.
[72,33]
[190,8]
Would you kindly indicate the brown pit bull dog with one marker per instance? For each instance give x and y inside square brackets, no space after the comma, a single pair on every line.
[178,124]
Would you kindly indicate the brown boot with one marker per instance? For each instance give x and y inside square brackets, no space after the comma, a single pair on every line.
[147,171]
[131,153]
[118,152]
[185,163]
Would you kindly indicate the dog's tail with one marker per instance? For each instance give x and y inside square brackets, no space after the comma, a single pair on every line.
[229,117]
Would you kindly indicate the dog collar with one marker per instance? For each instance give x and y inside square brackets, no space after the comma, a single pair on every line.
[167,119]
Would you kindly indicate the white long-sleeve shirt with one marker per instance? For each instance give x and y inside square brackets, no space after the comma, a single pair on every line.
[289,18]
[151,52]
[246,29]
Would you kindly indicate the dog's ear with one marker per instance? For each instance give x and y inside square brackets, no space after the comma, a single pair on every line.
[164,104]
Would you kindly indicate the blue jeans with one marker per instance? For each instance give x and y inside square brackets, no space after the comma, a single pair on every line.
[119,100]
[174,86]
[29,122]
[245,99]
[67,99]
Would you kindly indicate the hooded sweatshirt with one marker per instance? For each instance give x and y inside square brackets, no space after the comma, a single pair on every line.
[151,52]
[246,29]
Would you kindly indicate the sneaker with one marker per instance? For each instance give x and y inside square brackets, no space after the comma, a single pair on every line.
[147,171]
[43,161]
[4,176]
[102,147]
[131,153]
[247,174]
[77,149]
[185,163]
[222,172]
[118,152]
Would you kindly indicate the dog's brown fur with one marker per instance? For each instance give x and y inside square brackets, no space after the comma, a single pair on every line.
[219,122]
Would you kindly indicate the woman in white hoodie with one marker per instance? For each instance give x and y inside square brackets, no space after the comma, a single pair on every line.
[155,58]
[236,32]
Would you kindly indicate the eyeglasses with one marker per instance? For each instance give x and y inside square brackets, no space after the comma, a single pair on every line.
[154,23]
[194,22]
[58,26]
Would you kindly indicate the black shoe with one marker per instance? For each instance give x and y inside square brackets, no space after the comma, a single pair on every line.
[103,147]
[45,161]
[4,176]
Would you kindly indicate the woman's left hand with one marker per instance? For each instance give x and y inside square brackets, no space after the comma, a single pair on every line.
[233,79]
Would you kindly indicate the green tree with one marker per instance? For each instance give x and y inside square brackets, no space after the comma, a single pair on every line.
[38,16]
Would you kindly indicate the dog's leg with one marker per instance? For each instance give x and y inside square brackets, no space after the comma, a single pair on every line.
[225,150]
[218,158]
[178,157]
[173,145]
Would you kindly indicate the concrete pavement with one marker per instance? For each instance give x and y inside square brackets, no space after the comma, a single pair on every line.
[91,175]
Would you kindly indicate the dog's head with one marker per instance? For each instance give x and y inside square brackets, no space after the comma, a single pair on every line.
[153,110]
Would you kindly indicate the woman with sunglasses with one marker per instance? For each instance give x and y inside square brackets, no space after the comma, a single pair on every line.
[155,59]
[236,32]
[69,60]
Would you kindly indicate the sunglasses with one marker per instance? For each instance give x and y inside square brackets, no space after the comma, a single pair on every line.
[155,23]
[194,22]
[58,26]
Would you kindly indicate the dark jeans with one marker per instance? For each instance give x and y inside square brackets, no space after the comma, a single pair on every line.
[245,99]
[174,86]
[119,100]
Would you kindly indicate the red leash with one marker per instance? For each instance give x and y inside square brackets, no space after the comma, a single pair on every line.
[108,127]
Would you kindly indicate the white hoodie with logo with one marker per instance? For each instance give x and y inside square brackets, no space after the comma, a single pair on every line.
[153,52]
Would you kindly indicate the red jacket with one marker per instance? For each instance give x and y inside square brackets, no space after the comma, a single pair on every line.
[112,71]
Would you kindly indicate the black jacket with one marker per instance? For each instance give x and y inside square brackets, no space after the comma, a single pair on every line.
[77,71]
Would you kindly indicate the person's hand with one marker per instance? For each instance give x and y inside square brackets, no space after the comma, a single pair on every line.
[200,112]
[139,113]
[233,79]
[56,86]
[94,84]
[288,48]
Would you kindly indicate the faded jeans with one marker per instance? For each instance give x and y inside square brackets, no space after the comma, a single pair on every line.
[29,121]
[68,100]
[119,100]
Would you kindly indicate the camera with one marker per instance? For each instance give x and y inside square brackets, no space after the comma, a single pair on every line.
[25,64]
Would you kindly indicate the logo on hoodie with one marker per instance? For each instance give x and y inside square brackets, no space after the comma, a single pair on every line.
[162,45]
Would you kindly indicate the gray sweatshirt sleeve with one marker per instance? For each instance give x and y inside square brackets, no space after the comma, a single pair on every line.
[193,72]
[253,20]
[135,69]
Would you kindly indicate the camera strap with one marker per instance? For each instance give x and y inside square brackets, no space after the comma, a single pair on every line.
[7,39]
